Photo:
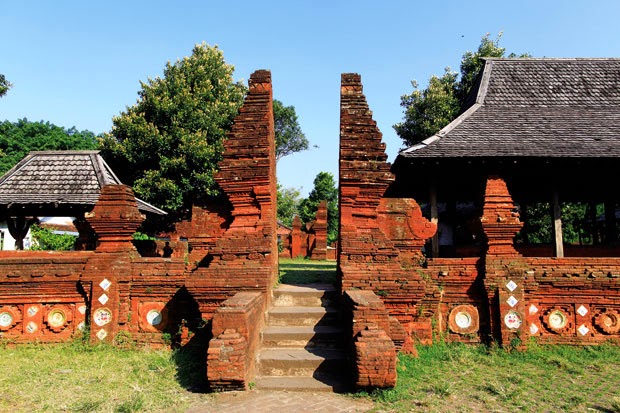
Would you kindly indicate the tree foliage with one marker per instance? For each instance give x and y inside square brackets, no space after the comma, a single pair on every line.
[288,205]
[46,240]
[168,145]
[5,85]
[426,111]
[289,136]
[19,138]
[324,189]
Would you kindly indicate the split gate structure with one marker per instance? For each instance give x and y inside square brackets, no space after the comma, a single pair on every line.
[223,265]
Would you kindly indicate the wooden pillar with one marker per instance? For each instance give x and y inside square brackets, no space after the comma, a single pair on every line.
[611,234]
[434,220]
[18,228]
[557,226]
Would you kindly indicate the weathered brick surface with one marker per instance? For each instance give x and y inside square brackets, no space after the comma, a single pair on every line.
[308,241]
[380,238]
[52,296]
[244,254]
[317,250]
[35,285]
[236,326]
[374,363]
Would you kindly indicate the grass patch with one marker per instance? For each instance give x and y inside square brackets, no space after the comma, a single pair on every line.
[302,271]
[456,377]
[75,377]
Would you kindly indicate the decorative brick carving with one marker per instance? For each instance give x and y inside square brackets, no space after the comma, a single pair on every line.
[500,221]
[115,218]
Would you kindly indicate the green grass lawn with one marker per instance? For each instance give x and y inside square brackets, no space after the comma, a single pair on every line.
[75,377]
[461,378]
[303,271]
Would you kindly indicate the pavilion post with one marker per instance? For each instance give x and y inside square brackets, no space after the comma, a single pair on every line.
[18,228]
[611,234]
[557,226]
[434,220]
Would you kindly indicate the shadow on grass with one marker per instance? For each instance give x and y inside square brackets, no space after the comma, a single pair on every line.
[307,272]
[191,362]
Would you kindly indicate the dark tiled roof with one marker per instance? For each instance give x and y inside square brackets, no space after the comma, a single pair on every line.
[60,178]
[567,108]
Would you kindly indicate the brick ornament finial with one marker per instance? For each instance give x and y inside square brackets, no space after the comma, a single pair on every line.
[500,221]
[115,218]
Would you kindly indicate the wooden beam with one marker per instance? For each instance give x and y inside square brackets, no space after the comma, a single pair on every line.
[434,220]
[557,226]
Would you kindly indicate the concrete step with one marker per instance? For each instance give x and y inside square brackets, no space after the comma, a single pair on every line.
[302,316]
[326,383]
[303,336]
[319,295]
[300,362]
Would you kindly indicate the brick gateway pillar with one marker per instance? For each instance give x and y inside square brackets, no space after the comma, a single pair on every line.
[237,270]
[380,244]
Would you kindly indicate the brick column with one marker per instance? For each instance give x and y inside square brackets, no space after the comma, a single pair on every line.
[114,219]
[504,275]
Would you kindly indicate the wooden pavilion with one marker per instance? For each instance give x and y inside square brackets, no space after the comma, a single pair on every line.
[56,183]
[549,127]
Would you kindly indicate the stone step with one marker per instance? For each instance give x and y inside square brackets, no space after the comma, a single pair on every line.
[302,316]
[303,336]
[326,383]
[300,362]
[319,295]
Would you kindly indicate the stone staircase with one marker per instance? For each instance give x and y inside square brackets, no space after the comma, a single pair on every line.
[302,344]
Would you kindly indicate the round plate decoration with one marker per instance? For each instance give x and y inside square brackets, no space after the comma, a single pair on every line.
[9,317]
[6,320]
[513,320]
[154,317]
[556,320]
[56,318]
[608,321]
[464,319]
[102,316]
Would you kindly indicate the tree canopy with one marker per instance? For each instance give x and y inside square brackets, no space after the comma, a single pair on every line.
[5,85]
[289,136]
[19,138]
[324,189]
[168,144]
[288,205]
[426,111]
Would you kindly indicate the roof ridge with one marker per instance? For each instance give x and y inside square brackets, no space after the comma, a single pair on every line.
[551,59]
[70,152]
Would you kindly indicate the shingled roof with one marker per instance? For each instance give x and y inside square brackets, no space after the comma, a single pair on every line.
[535,108]
[60,178]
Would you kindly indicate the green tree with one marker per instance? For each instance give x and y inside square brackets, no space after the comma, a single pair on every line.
[5,85]
[46,240]
[289,136]
[19,138]
[426,111]
[288,204]
[324,189]
[168,145]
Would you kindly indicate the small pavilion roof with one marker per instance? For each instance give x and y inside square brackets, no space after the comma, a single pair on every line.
[65,179]
[535,108]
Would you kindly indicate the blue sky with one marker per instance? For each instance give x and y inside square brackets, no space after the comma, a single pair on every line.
[79,63]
